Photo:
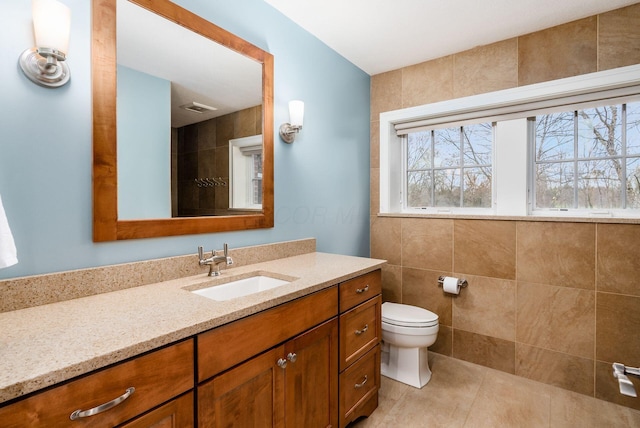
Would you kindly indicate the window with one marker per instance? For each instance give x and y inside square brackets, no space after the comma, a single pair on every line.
[256,177]
[566,147]
[245,173]
[449,167]
[588,159]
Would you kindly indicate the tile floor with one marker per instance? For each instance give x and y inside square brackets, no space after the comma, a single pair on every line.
[462,394]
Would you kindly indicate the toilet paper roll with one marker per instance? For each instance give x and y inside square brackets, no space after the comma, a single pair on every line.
[450,285]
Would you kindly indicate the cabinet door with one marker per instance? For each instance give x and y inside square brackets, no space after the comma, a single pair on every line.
[249,395]
[177,413]
[311,387]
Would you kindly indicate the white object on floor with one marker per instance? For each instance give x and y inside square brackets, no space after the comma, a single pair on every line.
[406,330]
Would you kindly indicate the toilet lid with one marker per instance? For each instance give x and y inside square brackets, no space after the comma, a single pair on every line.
[407,315]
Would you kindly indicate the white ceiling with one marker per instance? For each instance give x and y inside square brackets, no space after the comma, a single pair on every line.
[384,35]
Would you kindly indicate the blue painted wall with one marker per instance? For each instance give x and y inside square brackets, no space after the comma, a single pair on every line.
[144,145]
[321,181]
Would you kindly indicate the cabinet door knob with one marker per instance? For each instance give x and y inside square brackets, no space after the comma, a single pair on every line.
[282,363]
[362,290]
[365,328]
[361,384]
[103,407]
[292,357]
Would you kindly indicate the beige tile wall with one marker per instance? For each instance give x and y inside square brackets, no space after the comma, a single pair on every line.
[556,302]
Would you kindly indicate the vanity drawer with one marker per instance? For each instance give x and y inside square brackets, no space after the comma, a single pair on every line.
[360,330]
[226,346]
[157,377]
[358,384]
[360,289]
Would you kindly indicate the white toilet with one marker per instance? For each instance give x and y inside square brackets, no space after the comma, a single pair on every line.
[405,331]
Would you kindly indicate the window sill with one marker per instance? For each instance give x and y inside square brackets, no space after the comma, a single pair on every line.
[562,219]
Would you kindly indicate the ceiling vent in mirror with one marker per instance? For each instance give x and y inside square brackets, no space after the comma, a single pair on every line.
[197,107]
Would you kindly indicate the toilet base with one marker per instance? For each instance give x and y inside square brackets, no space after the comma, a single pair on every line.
[406,365]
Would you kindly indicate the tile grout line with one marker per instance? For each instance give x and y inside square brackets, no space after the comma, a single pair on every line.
[475,397]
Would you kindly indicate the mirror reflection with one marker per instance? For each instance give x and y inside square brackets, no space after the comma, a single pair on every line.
[189,122]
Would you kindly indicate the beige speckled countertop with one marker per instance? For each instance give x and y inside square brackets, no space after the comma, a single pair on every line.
[44,345]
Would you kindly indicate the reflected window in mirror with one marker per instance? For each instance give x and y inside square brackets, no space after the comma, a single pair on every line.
[245,161]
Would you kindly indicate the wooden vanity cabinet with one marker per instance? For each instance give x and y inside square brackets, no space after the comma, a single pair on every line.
[276,368]
[360,336]
[311,362]
[158,377]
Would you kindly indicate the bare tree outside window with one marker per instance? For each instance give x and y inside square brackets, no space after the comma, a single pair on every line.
[450,167]
[588,159]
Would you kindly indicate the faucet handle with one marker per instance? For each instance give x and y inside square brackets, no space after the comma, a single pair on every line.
[200,252]
[226,254]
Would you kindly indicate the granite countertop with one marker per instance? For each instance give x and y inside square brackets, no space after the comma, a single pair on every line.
[44,345]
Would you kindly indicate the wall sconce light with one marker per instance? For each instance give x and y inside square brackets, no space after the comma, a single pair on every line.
[45,63]
[288,131]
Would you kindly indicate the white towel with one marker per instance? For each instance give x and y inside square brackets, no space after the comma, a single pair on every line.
[8,254]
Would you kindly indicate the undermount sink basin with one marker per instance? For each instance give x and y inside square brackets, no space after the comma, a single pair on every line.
[240,287]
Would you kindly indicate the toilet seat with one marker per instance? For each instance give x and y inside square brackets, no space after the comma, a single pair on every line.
[407,316]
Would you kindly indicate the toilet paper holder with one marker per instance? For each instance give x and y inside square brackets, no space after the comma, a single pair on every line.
[462,283]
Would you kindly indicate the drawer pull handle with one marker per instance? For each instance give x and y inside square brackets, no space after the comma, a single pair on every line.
[365,328]
[361,384]
[282,363]
[292,356]
[362,290]
[103,407]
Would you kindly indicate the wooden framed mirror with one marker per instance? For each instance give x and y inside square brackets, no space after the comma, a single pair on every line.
[108,223]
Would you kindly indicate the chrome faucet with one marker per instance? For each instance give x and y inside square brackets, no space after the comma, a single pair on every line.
[215,260]
[626,386]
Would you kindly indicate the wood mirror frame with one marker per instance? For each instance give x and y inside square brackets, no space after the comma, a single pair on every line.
[106,225]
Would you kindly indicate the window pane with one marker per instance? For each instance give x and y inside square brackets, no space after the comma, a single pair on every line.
[599,185]
[478,142]
[554,185]
[419,189]
[446,147]
[600,132]
[633,183]
[257,179]
[555,136]
[447,188]
[419,150]
[633,128]
[477,187]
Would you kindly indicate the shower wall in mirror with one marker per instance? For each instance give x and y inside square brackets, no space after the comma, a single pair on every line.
[200,163]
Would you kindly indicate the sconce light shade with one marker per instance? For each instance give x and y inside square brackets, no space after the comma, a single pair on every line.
[296,112]
[288,131]
[45,63]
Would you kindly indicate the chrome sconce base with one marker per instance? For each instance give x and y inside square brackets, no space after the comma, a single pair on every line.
[45,67]
[288,132]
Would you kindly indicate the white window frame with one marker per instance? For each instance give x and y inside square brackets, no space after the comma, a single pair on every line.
[510,108]
[448,209]
[240,172]
[582,212]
